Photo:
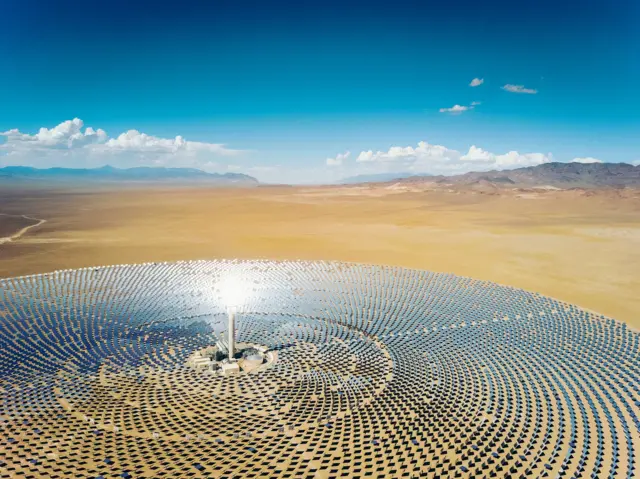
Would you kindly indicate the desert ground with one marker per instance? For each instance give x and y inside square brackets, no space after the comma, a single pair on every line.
[577,246]
[14,226]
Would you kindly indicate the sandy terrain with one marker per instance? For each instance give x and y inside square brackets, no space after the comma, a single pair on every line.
[581,248]
[13,227]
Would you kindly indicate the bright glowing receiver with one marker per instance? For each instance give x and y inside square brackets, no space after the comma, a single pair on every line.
[233,292]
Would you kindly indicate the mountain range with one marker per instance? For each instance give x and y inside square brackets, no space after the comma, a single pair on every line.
[558,175]
[109,174]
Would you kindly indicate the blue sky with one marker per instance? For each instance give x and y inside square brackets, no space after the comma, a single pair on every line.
[281,89]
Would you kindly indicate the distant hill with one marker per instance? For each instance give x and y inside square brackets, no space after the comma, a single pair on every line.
[109,174]
[559,175]
[375,178]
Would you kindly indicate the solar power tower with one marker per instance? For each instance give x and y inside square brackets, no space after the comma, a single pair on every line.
[231,313]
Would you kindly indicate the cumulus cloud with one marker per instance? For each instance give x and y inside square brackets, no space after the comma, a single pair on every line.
[339,159]
[586,160]
[438,159]
[476,82]
[134,141]
[67,134]
[519,89]
[457,109]
[408,155]
[68,144]
[454,109]
[512,159]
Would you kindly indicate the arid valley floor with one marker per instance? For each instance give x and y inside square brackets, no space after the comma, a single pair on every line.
[577,246]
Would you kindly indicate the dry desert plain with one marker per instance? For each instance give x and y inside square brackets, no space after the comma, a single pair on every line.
[580,247]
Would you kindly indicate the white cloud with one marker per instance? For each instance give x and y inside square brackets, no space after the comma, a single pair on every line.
[512,159]
[410,156]
[134,141]
[339,159]
[519,89]
[68,145]
[477,154]
[454,109]
[438,159]
[586,160]
[67,134]
[457,109]
[476,82]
